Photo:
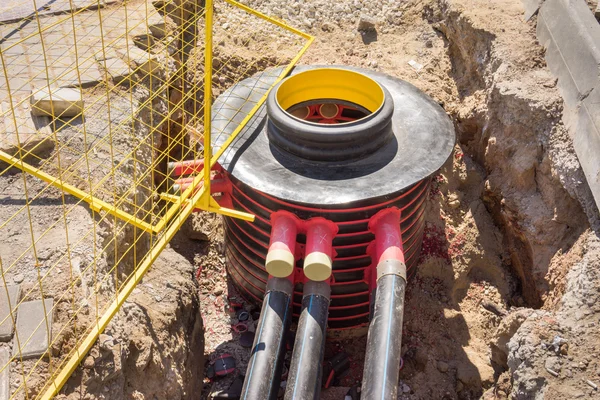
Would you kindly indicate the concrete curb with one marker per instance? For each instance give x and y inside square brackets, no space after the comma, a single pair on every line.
[571,36]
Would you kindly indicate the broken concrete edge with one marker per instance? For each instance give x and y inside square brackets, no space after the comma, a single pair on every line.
[570,34]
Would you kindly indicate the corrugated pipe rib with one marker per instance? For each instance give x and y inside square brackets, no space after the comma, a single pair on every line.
[304,379]
[384,341]
[266,360]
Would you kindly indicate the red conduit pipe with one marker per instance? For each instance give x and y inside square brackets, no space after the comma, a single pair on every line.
[280,260]
[319,250]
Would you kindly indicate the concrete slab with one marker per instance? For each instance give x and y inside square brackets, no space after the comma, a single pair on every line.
[32,328]
[34,132]
[61,102]
[5,374]
[531,8]
[568,29]
[586,141]
[8,294]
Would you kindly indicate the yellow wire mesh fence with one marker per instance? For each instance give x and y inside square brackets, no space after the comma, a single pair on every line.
[97,97]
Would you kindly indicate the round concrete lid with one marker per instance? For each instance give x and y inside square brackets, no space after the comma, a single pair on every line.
[423,140]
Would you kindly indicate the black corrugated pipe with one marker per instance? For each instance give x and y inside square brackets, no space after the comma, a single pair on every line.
[384,340]
[304,380]
[266,360]
[382,360]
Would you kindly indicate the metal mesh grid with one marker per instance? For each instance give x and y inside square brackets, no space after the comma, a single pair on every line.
[97,97]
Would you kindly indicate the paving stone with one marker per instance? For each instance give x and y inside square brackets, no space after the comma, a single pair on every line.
[118,70]
[4,375]
[139,59]
[6,327]
[570,34]
[85,75]
[32,328]
[34,132]
[16,10]
[61,102]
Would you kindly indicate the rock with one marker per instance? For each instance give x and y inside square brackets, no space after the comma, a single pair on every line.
[218,291]
[18,278]
[505,331]
[442,366]
[553,363]
[366,23]
[493,307]
[89,362]
[405,388]
[106,342]
[564,349]
[328,27]
[459,386]
[453,200]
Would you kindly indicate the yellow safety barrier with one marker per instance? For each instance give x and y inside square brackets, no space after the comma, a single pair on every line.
[96,98]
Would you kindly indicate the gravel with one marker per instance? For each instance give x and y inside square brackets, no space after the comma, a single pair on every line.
[310,15]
